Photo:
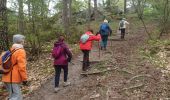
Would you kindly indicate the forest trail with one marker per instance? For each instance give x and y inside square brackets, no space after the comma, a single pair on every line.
[132,79]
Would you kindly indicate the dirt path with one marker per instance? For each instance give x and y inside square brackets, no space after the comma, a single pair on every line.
[132,79]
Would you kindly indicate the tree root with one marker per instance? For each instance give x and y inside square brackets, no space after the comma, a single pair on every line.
[125,71]
[137,76]
[98,72]
[133,87]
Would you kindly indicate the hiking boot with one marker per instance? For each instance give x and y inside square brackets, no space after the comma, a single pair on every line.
[56,89]
[66,84]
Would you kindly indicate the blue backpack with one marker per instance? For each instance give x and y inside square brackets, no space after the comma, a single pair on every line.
[6,64]
[104,29]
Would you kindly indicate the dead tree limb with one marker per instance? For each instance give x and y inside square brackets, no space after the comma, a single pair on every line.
[137,76]
[133,87]
[98,72]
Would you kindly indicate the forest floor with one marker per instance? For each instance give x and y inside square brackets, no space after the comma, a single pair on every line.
[120,73]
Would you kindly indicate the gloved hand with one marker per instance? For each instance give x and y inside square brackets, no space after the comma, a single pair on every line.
[25,83]
[69,59]
[97,33]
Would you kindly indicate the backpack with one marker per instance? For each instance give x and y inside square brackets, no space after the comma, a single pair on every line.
[84,38]
[5,63]
[57,51]
[104,29]
[122,23]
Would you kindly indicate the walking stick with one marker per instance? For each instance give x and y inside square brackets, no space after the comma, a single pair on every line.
[99,48]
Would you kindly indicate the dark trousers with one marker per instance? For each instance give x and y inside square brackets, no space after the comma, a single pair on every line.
[58,71]
[86,62]
[104,41]
[122,33]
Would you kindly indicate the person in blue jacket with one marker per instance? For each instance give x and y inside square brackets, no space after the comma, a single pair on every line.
[104,31]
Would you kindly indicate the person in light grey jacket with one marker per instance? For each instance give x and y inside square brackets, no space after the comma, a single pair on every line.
[122,27]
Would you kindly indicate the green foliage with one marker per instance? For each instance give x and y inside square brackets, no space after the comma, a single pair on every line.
[77,6]
[33,43]
[148,11]
[46,36]
[155,52]
[74,36]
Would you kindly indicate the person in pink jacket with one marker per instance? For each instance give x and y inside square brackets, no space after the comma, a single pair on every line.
[87,46]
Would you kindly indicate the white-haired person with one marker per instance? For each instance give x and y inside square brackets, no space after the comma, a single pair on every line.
[122,27]
[104,31]
[18,74]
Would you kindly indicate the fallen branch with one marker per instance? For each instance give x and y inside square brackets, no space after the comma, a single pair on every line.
[98,72]
[128,72]
[133,87]
[137,76]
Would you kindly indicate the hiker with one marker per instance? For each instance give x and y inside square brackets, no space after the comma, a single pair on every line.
[122,27]
[62,55]
[18,73]
[104,31]
[86,45]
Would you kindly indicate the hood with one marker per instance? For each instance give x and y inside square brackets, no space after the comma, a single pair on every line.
[17,46]
[58,43]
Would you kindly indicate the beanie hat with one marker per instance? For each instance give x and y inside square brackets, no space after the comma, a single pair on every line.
[123,18]
[18,38]
[106,21]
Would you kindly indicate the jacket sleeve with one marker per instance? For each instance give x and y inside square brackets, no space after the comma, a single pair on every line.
[110,30]
[53,52]
[21,61]
[68,52]
[93,37]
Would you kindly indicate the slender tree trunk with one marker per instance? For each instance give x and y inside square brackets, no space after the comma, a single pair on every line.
[4,45]
[21,17]
[103,2]
[33,18]
[42,12]
[70,11]
[108,3]
[95,9]
[125,1]
[29,10]
[165,18]
[65,17]
[89,10]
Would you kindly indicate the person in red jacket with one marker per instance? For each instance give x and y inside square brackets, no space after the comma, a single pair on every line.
[87,46]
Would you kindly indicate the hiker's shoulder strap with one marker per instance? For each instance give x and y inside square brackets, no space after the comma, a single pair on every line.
[14,50]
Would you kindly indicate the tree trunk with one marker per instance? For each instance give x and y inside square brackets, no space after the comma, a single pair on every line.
[108,3]
[89,10]
[29,10]
[21,17]
[65,17]
[4,45]
[103,2]
[70,11]
[95,9]
[125,6]
[33,17]
[43,11]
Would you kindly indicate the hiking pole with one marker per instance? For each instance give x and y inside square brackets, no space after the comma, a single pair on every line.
[99,48]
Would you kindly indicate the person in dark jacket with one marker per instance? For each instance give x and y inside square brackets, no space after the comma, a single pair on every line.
[62,55]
